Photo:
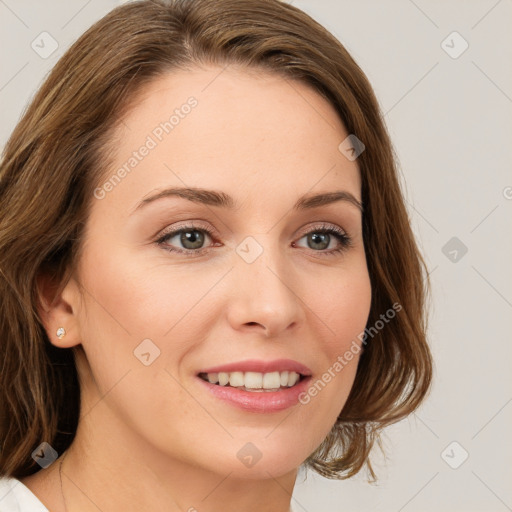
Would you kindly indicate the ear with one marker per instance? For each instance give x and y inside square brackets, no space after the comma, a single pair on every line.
[59,309]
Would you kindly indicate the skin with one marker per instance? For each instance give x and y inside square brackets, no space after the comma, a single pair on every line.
[150,437]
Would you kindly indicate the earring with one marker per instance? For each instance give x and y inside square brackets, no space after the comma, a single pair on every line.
[61,332]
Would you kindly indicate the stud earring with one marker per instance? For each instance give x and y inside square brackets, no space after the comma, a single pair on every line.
[61,332]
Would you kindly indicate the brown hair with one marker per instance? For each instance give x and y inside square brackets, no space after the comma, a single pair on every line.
[59,152]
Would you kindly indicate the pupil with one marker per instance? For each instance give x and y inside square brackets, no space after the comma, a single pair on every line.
[320,238]
[195,238]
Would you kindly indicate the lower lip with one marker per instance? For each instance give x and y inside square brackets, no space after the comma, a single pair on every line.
[258,401]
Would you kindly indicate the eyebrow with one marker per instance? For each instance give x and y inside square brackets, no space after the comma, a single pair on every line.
[223,200]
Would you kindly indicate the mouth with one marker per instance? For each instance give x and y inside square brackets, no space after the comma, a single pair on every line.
[257,386]
[254,381]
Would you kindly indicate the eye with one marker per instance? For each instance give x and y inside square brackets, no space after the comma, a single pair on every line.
[191,239]
[321,237]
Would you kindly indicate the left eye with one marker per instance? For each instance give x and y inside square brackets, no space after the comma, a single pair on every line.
[321,238]
[192,240]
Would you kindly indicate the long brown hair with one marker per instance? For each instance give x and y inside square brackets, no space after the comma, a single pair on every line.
[62,147]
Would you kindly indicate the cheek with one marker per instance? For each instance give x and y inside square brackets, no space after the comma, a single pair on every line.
[343,309]
[341,301]
[128,302]
[139,297]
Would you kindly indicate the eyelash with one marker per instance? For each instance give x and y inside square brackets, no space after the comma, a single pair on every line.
[345,242]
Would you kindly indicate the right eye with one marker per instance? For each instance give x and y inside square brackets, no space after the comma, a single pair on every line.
[191,239]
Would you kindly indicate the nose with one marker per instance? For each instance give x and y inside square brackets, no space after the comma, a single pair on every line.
[265,292]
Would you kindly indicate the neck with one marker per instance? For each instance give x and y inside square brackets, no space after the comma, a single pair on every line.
[110,470]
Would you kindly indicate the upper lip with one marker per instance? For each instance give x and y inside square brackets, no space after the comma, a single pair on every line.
[260,366]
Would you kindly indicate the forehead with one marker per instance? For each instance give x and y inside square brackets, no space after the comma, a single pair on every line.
[244,131]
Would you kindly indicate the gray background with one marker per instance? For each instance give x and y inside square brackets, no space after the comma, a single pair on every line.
[450,120]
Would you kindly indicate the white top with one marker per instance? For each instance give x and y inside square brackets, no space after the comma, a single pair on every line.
[17,497]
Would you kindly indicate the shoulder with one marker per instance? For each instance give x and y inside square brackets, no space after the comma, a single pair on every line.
[16,497]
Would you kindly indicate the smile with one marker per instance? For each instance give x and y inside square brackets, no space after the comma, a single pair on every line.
[254,381]
[257,386]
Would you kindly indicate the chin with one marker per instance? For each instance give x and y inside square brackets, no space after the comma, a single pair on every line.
[257,457]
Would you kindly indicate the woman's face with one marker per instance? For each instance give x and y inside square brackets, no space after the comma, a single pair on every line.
[268,290]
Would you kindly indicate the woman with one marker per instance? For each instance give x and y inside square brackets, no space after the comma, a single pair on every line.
[208,277]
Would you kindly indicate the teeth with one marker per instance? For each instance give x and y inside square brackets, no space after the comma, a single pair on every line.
[271,380]
[292,378]
[236,379]
[253,380]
